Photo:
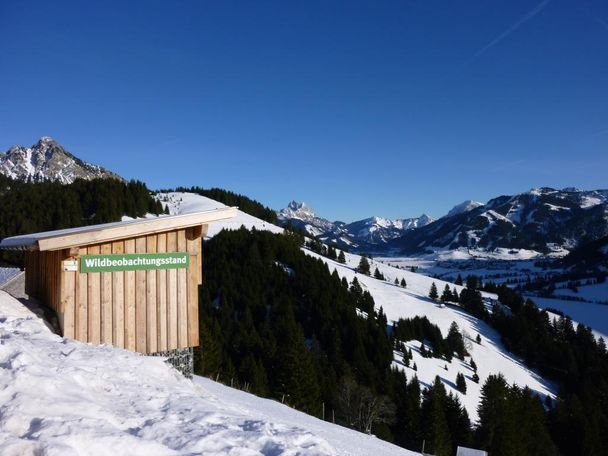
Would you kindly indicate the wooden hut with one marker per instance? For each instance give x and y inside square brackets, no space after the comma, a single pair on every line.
[131,284]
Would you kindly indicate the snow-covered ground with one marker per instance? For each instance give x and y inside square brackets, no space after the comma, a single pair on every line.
[7,274]
[63,397]
[343,440]
[490,356]
[182,203]
[597,292]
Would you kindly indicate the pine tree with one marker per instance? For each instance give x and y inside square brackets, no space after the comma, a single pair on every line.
[297,375]
[455,341]
[412,425]
[433,292]
[478,339]
[396,281]
[458,280]
[461,384]
[364,267]
[434,422]
[403,283]
[378,275]
[423,351]
[455,297]
[500,426]
[341,257]
[447,294]
[473,365]
[406,360]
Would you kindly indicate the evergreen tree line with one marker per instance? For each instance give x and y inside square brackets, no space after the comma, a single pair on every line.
[34,207]
[578,419]
[421,329]
[244,203]
[470,298]
[315,244]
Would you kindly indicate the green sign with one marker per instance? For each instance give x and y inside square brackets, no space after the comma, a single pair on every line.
[134,262]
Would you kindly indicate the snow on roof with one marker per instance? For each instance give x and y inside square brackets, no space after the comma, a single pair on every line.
[71,237]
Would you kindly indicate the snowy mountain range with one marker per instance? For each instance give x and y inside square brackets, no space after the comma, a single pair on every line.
[542,219]
[47,160]
[369,234]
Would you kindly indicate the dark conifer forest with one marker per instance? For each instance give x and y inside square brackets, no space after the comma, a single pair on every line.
[278,323]
[34,207]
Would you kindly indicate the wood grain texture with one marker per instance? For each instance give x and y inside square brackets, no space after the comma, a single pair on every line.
[172,337]
[107,330]
[182,295]
[82,307]
[161,296]
[94,302]
[151,301]
[130,310]
[68,299]
[118,299]
[140,301]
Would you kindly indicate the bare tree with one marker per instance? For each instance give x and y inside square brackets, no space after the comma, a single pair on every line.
[360,408]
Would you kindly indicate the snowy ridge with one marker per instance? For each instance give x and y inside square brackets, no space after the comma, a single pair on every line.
[64,397]
[543,219]
[47,160]
[369,234]
[490,356]
[463,207]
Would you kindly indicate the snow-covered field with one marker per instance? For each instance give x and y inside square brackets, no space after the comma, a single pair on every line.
[490,356]
[66,398]
[597,292]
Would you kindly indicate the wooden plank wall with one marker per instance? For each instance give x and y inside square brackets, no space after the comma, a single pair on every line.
[144,311]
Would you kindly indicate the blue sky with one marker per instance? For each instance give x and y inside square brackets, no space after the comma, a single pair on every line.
[359,108]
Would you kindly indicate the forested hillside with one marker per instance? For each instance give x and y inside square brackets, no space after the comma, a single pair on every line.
[34,207]
[276,322]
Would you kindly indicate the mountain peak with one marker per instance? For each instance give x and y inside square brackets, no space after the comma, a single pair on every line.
[298,210]
[47,160]
[465,206]
[46,140]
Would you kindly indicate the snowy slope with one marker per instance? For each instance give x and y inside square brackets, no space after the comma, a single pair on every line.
[344,440]
[490,356]
[63,397]
[465,206]
[182,203]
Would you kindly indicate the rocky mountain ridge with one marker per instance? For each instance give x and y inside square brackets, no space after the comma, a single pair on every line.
[47,160]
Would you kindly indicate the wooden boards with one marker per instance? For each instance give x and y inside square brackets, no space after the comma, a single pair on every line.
[145,311]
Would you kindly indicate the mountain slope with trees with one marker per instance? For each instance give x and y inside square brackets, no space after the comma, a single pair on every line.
[42,206]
